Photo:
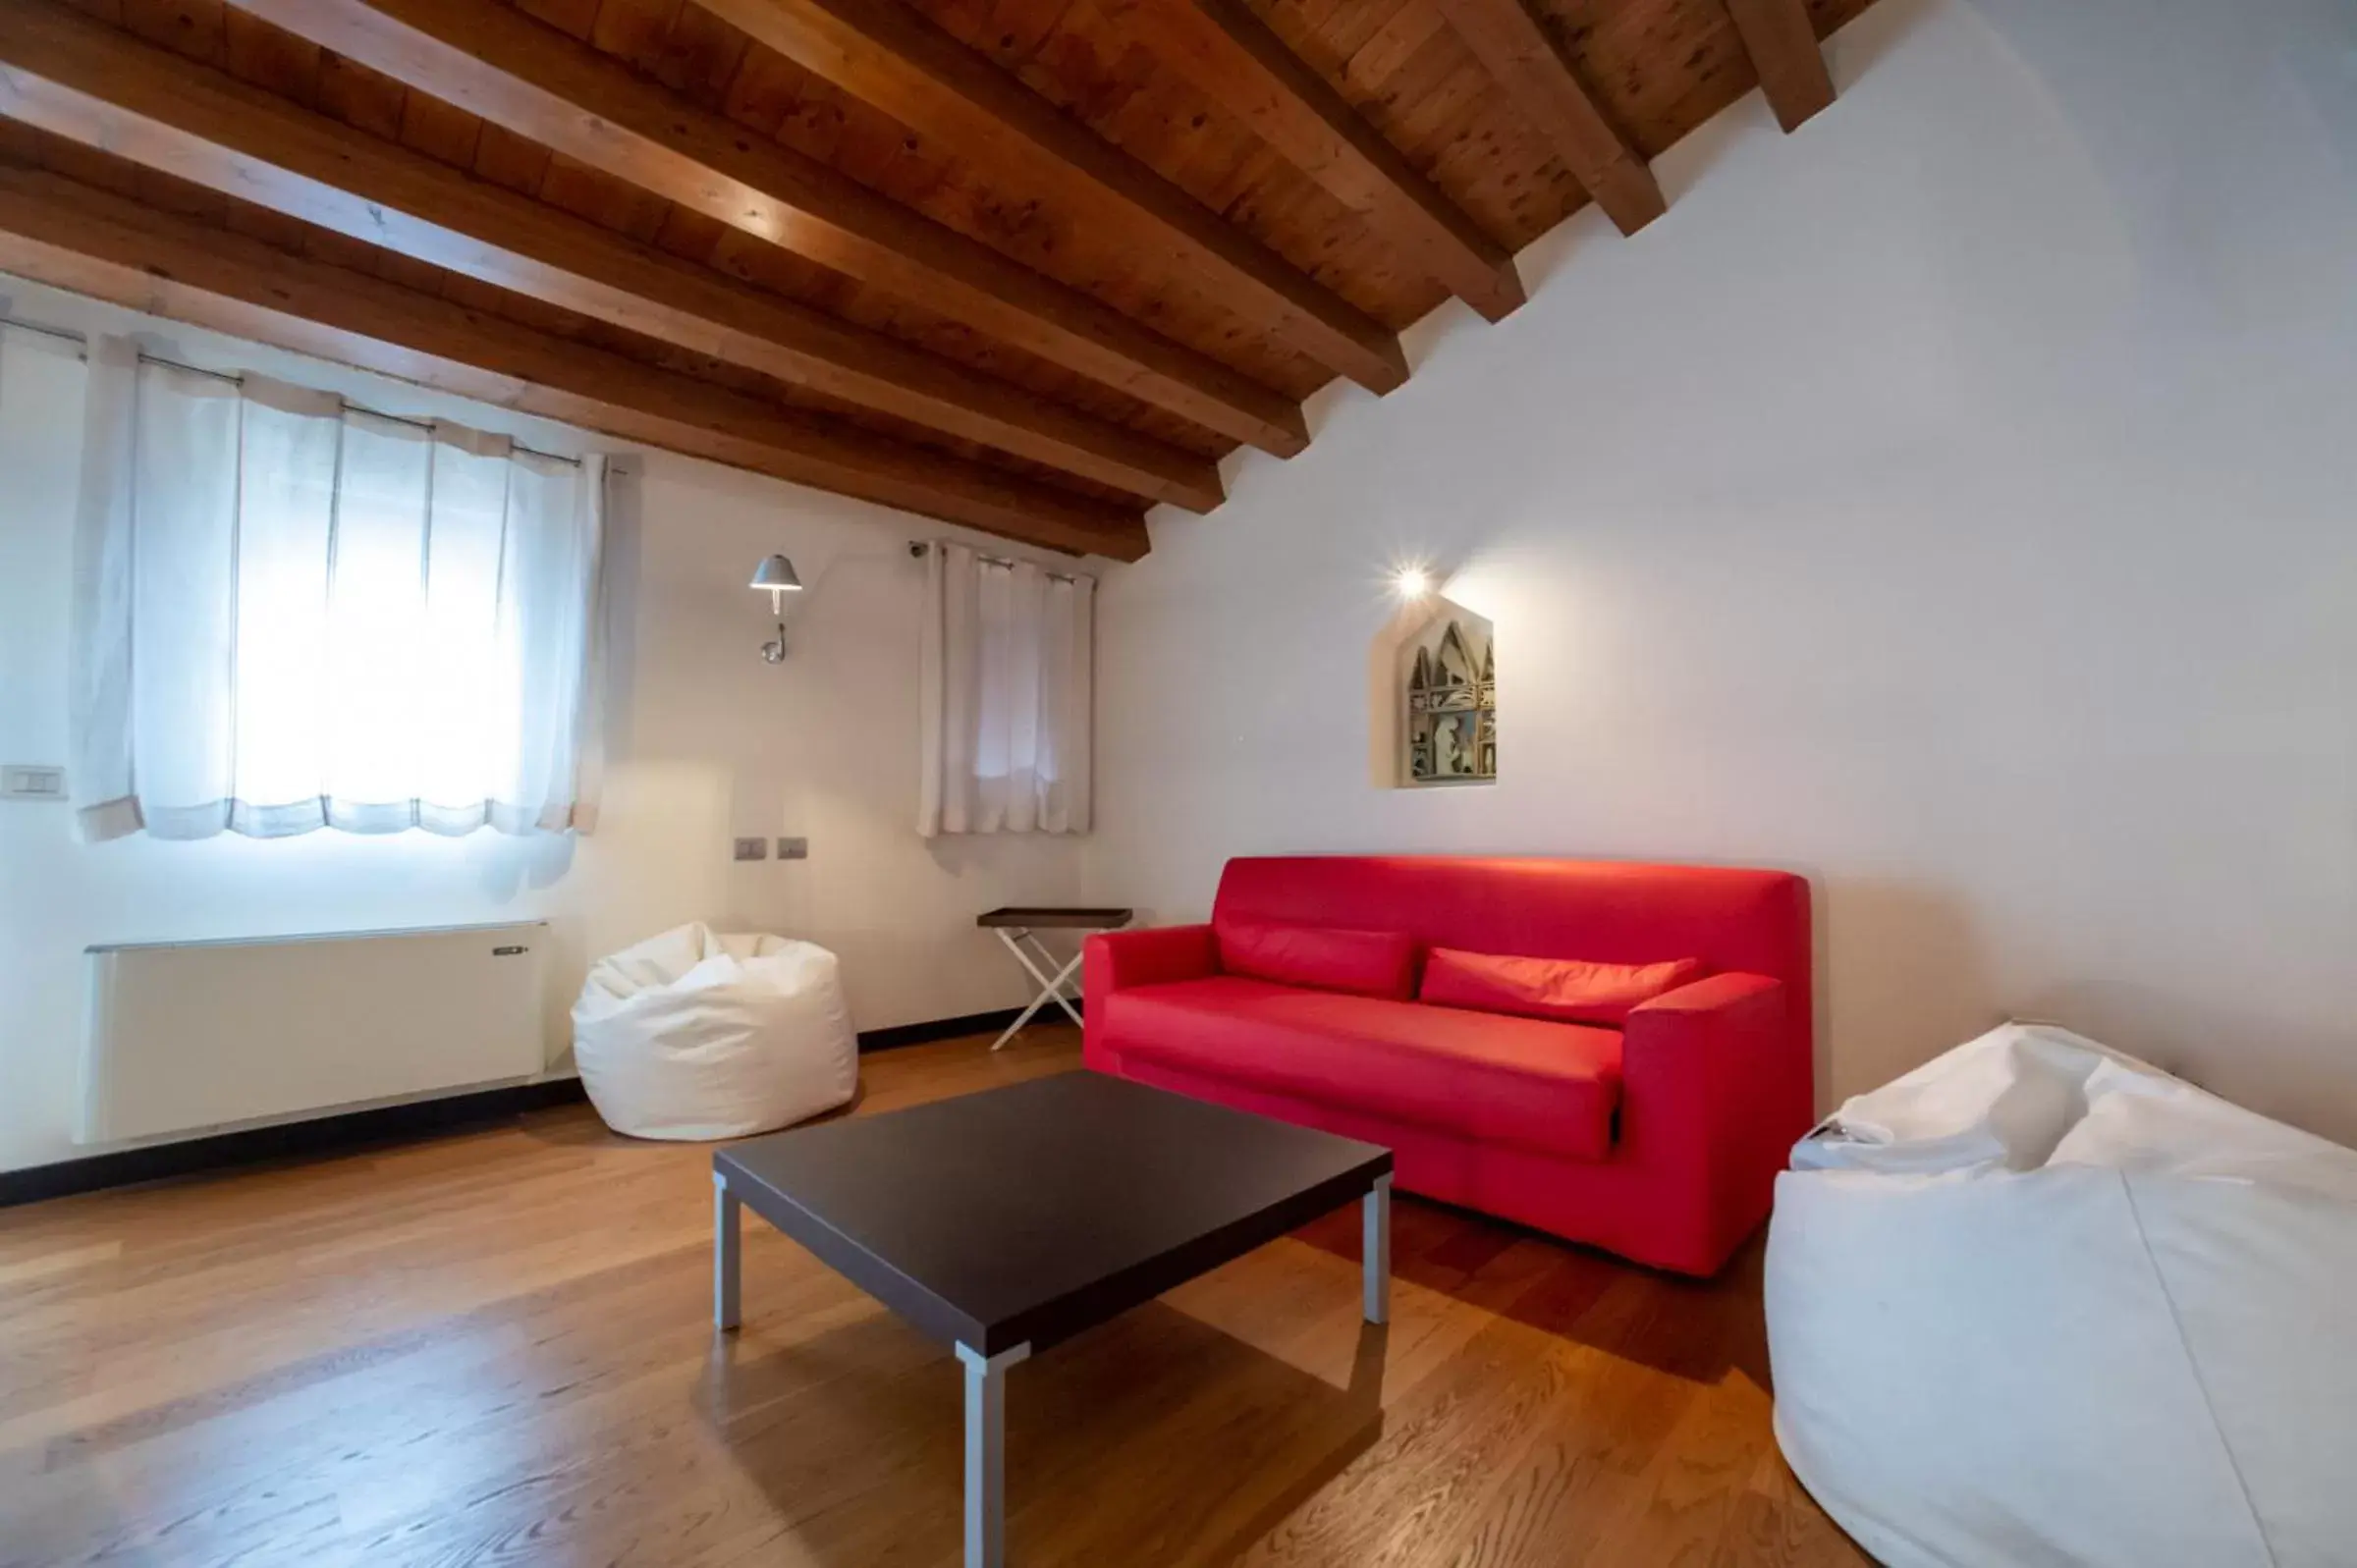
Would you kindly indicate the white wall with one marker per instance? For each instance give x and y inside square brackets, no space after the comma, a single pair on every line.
[707,742]
[1955,500]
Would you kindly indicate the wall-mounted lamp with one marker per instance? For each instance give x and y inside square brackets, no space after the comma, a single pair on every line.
[776,574]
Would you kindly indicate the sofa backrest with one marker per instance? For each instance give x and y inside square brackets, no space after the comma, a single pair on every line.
[1756,922]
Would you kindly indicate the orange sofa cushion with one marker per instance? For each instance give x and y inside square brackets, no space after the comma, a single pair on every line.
[1566,990]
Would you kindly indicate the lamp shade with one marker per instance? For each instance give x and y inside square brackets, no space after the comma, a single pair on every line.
[777,576]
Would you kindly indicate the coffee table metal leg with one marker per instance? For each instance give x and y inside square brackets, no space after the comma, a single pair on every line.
[986,1454]
[728,1242]
[1376,1250]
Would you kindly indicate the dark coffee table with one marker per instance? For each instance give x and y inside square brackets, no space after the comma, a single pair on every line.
[1003,1221]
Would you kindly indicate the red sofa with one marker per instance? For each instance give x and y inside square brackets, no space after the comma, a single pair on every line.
[1659,1140]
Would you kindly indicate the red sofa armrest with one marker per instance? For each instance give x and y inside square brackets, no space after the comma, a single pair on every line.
[1717,1084]
[1116,960]
[1714,999]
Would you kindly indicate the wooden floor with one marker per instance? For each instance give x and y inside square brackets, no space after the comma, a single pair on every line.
[494,1348]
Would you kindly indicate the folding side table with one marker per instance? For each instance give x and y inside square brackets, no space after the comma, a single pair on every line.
[1017,926]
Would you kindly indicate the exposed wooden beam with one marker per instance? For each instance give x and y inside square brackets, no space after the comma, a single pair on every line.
[1233,59]
[1516,51]
[1783,44]
[59,232]
[83,79]
[541,82]
[884,52]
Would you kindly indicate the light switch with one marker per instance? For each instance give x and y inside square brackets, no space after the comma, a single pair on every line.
[752,849]
[794,848]
[25,782]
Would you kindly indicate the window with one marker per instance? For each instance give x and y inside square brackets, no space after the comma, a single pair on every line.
[294,613]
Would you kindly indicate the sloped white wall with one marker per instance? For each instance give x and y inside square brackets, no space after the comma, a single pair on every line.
[707,742]
[1955,500]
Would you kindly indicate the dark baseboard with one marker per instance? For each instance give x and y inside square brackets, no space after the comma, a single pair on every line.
[973,1023]
[352,1129]
[292,1140]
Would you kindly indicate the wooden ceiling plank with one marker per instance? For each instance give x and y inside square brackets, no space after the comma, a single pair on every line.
[96,85]
[1783,44]
[1370,66]
[1233,59]
[887,54]
[193,27]
[544,84]
[1516,51]
[634,28]
[72,236]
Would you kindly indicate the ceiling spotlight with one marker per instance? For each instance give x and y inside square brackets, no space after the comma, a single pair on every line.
[1411,582]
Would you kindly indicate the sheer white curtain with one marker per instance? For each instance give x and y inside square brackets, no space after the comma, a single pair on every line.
[1007,696]
[294,615]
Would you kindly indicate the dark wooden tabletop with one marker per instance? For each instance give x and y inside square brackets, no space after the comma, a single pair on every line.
[1048,917]
[1028,1213]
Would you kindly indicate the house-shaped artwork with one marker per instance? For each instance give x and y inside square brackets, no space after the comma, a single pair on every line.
[1449,700]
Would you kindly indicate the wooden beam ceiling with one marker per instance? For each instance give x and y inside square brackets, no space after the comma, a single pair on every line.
[889,55]
[1229,53]
[1781,41]
[56,231]
[1028,265]
[543,83]
[1515,49]
[78,79]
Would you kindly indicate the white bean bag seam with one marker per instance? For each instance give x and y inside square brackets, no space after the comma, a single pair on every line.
[2193,1366]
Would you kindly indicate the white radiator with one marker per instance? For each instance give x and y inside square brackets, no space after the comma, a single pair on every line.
[188,1036]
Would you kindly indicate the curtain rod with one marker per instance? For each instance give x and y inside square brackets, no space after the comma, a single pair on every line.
[918,547]
[67,335]
[61,333]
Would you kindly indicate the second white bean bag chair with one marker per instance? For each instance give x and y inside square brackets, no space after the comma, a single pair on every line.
[2039,1303]
[698,1035]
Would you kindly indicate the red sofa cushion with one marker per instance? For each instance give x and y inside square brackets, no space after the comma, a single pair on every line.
[1547,1087]
[1566,990]
[1368,963]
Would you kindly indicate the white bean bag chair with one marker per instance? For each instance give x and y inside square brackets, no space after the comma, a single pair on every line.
[696,1035]
[2039,1303]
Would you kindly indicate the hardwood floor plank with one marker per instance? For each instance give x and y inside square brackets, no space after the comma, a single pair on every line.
[1778,1525]
[31,1267]
[494,1348]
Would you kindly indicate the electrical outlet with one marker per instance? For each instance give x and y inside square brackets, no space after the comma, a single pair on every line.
[794,848]
[23,781]
[752,849]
